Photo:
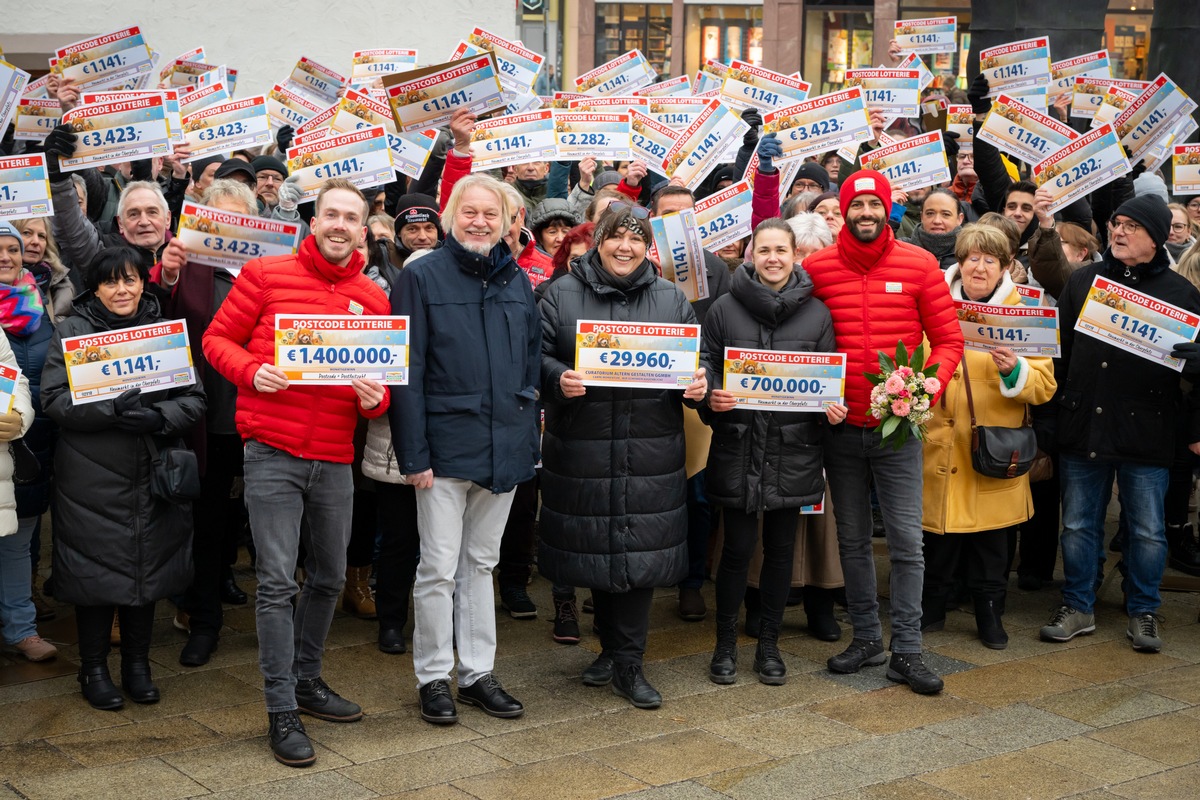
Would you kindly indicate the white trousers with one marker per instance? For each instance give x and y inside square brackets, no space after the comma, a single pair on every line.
[461,525]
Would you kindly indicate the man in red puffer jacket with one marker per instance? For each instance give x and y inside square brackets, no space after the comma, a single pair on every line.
[298,450]
[880,291]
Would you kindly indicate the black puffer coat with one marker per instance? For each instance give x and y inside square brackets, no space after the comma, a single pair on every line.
[614,491]
[114,544]
[765,460]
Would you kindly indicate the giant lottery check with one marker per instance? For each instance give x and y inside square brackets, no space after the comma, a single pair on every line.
[782,380]
[1022,132]
[1026,330]
[217,238]
[24,187]
[821,124]
[1080,167]
[637,354]
[911,163]
[361,157]
[332,350]
[1136,323]
[103,365]
[115,132]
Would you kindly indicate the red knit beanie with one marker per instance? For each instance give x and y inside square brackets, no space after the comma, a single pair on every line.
[866,181]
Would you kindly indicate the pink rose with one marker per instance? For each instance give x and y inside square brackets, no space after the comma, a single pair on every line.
[904,394]
[894,384]
[900,408]
[932,386]
[904,372]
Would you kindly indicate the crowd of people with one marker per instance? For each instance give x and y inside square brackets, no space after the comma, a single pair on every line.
[497,456]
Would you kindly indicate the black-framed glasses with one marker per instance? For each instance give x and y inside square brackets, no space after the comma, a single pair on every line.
[1129,226]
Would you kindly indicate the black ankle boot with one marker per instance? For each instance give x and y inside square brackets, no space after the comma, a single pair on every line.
[768,664]
[723,667]
[818,606]
[1182,551]
[98,688]
[988,612]
[136,680]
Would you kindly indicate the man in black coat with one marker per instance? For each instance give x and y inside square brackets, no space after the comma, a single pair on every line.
[1120,415]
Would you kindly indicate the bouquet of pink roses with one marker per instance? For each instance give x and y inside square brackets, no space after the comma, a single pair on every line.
[902,397]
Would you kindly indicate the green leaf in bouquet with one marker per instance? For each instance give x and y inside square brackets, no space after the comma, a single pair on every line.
[886,365]
[930,370]
[874,379]
[918,358]
[889,426]
[901,354]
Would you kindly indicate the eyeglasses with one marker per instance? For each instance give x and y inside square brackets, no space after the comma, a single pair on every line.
[1194,205]
[264,178]
[637,212]
[1129,226]
[806,185]
[1179,226]
[966,156]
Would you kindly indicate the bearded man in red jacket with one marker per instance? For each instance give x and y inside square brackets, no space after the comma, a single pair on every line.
[880,291]
[298,450]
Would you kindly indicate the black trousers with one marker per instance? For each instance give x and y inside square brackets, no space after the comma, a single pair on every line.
[519,542]
[399,549]
[94,623]
[364,523]
[213,532]
[1038,544]
[624,621]
[741,539]
[984,555]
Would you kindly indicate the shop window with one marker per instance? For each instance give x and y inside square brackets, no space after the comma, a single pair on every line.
[621,27]
[722,32]
[835,41]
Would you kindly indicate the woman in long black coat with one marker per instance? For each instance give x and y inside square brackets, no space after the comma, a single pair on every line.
[614,511]
[115,544]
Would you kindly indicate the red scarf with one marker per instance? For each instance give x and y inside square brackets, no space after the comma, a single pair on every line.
[864,255]
[961,190]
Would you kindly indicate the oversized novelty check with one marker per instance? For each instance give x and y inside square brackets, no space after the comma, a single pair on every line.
[356,110]
[1034,97]
[1112,105]
[624,74]
[1156,113]
[204,97]
[747,86]
[1018,130]
[679,250]
[12,86]
[784,380]
[787,174]
[36,118]
[518,67]
[115,132]
[724,217]
[187,74]
[10,376]
[1016,65]
[235,125]
[103,365]
[914,61]
[428,97]
[170,98]
[196,54]
[700,148]
[24,187]
[676,87]
[911,163]
[410,151]
[1161,151]
[1135,322]
[892,92]
[960,119]
[332,350]
[1090,161]
[38,89]
[580,135]
[644,355]
[1088,93]
[368,65]
[1031,295]
[321,82]
[677,112]
[609,103]
[523,103]
[1027,331]
[104,59]
[218,238]
[821,124]
[1089,65]
[931,35]
[651,139]
[710,77]
[285,107]
[1186,169]
[361,157]
[319,123]
[513,140]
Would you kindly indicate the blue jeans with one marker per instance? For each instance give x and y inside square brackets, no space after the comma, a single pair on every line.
[852,456]
[16,603]
[1087,490]
[281,491]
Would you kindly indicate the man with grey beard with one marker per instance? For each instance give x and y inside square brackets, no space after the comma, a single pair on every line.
[465,431]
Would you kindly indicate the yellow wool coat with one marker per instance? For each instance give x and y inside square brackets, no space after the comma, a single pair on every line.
[957,499]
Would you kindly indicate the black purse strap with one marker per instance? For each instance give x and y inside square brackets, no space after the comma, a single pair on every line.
[154,456]
[1025,423]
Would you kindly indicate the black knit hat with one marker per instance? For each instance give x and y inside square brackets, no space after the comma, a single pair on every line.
[412,209]
[199,165]
[269,163]
[1149,211]
[811,170]
[233,165]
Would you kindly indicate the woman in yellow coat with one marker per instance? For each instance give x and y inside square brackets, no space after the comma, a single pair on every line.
[967,516]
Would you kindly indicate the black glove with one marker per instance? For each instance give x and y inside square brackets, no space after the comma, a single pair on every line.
[754,119]
[60,142]
[283,139]
[977,94]
[950,140]
[1189,354]
[128,400]
[140,420]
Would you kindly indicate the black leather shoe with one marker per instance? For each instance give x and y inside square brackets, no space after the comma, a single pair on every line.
[818,606]
[488,695]
[231,593]
[98,688]
[722,669]
[289,741]
[630,682]
[391,640]
[437,706]
[315,698]
[136,681]
[768,664]
[860,653]
[910,668]
[600,673]
[198,650]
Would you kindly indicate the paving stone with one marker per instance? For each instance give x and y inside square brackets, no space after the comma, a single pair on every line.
[568,778]
[1171,785]
[1091,757]
[895,709]
[132,742]
[676,757]
[1011,728]
[1110,704]
[1170,738]
[148,779]
[1012,682]
[424,768]
[1008,776]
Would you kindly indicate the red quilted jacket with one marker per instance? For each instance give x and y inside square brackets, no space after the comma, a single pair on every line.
[313,422]
[902,297]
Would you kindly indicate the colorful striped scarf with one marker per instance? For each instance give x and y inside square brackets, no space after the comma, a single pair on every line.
[21,307]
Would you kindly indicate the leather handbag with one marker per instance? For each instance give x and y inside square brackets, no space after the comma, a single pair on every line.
[174,473]
[1000,452]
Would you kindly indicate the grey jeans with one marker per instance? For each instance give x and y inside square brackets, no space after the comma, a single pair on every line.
[282,492]
[852,456]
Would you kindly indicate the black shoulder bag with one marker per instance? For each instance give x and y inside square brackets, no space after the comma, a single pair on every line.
[999,452]
[174,473]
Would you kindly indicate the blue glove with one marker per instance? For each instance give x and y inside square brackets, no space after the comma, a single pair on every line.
[769,149]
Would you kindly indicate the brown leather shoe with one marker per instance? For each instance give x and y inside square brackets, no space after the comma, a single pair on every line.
[357,598]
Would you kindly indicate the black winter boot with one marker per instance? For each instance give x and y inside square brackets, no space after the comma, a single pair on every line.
[988,612]
[1182,551]
[137,622]
[768,664]
[818,606]
[723,667]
